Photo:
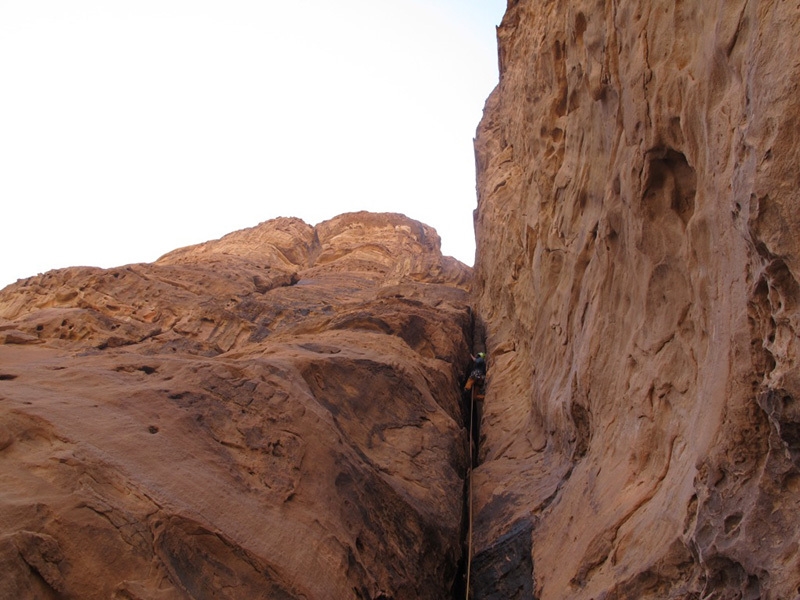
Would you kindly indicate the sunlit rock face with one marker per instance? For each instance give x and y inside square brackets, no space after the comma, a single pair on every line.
[274,414]
[637,274]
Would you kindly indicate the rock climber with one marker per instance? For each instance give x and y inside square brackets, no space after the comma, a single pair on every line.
[478,373]
[473,399]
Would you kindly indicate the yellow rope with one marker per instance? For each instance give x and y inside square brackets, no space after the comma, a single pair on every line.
[469,485]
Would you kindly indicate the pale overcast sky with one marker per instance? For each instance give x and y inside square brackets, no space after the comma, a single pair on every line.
[129,128]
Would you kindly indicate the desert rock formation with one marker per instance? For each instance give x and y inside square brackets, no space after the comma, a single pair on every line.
[274,414]
[637,275]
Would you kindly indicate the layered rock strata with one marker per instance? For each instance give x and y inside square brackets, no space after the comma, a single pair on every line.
[638,267]
[274,414]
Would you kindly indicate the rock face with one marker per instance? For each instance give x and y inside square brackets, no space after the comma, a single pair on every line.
[637,275]
[274,414]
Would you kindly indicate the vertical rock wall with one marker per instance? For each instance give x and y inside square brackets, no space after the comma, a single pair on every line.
[637,273]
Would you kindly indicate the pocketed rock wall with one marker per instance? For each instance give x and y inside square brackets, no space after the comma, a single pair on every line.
[274,414]
[638,263]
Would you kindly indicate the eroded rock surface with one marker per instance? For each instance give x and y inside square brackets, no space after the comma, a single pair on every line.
[638,268]
[274,414]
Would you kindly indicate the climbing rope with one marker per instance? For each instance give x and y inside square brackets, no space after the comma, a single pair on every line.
[469,486]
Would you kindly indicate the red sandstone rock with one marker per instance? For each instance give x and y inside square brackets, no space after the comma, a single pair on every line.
[274,414]
[638,268]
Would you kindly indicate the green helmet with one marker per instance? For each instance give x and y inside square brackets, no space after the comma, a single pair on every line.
[481,354]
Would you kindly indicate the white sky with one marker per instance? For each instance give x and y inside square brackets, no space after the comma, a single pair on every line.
[129,128]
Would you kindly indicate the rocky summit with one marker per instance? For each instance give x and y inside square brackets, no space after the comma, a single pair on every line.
[275,414]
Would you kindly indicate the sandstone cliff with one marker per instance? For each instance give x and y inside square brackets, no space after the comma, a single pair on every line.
[274,414]
[637,274]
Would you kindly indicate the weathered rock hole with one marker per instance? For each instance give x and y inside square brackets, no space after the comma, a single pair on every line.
[580,27]
[583,432]
[732,522]
[152,429]
[761,291]
[791,482]
[616,185]
[770,362]
[691,513]
[790,434]
[726,574]
[558,50]
[147,370]
[672,180]
[7,377]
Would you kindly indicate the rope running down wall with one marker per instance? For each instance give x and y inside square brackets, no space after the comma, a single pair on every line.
[469,486]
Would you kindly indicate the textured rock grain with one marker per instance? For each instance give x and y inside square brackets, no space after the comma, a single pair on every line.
[274,414]
[638,265]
